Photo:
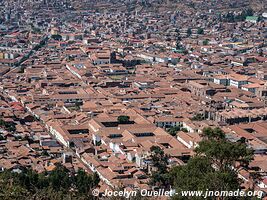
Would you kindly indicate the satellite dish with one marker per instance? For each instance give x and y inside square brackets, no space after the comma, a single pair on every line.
[264,15]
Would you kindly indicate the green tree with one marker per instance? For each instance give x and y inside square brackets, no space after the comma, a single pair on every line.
[213,134]
[8,126]
[159,160]
[206,42]
[184,130]
[173,130]
[59,178]
[222,152]
[200,31]
[249,12]
[192,175]
[28,184]
[123,119]
[211,168]
[83,182]
[198,117]
[95,179]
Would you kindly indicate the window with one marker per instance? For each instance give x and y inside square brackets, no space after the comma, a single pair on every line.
[144,134]
[250,130]
[115,135]
[78,131]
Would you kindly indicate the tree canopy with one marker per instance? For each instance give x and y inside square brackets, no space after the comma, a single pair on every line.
[233,17]
[198,117]
[222,152]
[200,31]
[55,185]
[8,126]
[123,119]
[210,169]
[173,130]
[159,160]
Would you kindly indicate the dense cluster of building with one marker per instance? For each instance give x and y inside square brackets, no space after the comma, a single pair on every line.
[69,72]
